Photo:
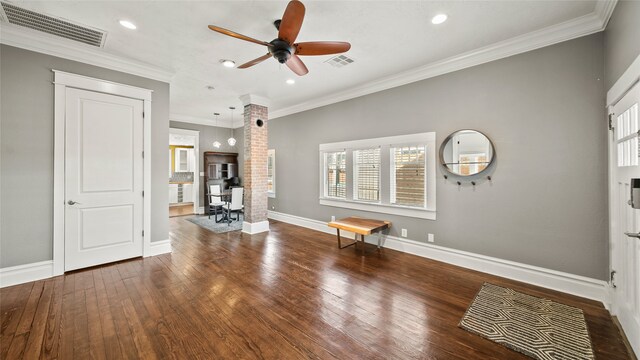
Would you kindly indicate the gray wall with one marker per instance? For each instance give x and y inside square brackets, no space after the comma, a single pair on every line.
[26,159]
[544,110]
[622,40]
[208,135]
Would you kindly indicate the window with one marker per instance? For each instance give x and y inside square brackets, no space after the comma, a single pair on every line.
[627,137]
[408,166]
[367,174]
[271,173]
[393,175]
[335,174]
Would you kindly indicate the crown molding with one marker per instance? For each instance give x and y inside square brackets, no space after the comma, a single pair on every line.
[37,41]
[571,29]
[204,121]
[248,99]
[604,10]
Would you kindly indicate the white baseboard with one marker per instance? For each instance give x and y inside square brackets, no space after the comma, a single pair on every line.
[159,248]
[255,228]
[24,273]
[556,280]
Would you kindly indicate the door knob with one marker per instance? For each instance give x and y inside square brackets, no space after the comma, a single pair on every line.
[71,202]
[634,235]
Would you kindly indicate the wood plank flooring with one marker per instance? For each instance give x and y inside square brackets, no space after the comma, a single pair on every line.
[180,209]
[290,294]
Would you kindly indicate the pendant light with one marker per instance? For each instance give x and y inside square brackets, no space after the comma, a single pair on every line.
[231,140]
[216,143]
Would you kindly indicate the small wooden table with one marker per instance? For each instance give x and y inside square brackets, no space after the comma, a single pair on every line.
[359,226]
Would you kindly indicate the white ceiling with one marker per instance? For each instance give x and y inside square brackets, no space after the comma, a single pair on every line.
[387,37]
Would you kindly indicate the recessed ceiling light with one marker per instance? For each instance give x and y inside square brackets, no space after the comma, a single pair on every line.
[291,81]
[128,24]
[228,63]
[439,19]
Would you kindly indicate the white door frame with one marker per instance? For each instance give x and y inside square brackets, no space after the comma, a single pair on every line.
[629,78]
[196,171]
[62,81]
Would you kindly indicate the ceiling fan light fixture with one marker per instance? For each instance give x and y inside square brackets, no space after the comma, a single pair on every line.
[231,141]
[439,19]
[216,144]
[128,24]
[291,81]
[228,63]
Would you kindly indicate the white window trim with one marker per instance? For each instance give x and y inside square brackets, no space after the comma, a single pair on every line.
[272,153]
[384,206]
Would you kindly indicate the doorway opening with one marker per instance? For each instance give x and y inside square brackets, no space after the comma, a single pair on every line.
[184,173]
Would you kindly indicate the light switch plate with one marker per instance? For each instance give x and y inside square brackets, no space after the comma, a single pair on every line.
[404,232]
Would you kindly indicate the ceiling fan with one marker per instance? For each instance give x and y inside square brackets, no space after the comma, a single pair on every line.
[283,48]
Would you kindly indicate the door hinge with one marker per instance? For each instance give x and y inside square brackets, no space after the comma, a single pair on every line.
[143,114]
[611,127]
[142,193]
[143,154]
[612,279]
[142,233]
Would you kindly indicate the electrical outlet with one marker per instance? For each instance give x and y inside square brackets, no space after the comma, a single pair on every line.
[273,207]
[431,238]
[333,218]
[404,232]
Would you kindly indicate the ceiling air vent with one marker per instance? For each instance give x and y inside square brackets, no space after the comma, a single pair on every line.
[51,25]
[340,61]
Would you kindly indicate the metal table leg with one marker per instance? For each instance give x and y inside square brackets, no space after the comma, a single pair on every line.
[340,242]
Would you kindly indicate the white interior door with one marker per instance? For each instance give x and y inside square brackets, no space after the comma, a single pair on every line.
[625,242]
[103,178]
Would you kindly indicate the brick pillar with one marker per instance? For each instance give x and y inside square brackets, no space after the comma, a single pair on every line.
[255,164]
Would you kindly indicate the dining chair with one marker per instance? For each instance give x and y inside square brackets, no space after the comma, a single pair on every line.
[235,205]
[215,201]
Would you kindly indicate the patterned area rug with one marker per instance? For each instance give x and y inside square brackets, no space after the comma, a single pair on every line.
[218,228]
[539,328]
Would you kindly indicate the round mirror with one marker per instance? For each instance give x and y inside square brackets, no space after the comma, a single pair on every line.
[466,152]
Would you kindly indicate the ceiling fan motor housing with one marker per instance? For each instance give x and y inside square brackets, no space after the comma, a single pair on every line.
[281,50]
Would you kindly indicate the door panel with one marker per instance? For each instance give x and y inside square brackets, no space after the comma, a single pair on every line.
[103,178]
[625,244]
[106,128]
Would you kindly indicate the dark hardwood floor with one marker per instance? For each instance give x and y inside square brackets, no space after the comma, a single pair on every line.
[290,294]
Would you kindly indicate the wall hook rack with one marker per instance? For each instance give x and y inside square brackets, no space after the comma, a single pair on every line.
[446,177]
[459,183]
[473,183]
[489,178]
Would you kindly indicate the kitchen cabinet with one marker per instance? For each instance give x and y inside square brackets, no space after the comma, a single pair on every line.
[183,160]
[187,193]
[173,193]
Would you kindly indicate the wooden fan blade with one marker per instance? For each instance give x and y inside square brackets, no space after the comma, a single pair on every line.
[297,66]
[291,21]
[237,36]
[255,61]
[322,47]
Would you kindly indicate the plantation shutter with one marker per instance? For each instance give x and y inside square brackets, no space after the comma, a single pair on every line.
[336,170]
[408,176]
[367,174]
